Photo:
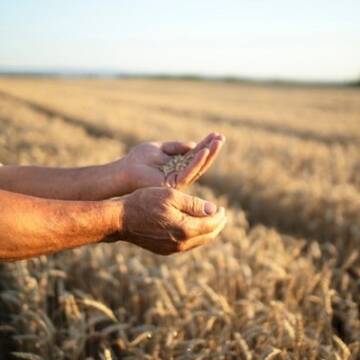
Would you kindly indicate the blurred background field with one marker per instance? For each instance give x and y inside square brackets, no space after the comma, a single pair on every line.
[281,282]
[81,82]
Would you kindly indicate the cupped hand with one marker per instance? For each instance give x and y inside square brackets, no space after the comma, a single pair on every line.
[167,221]
[143,163]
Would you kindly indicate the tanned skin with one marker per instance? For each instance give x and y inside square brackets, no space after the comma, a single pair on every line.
[161,220]
[138,169]
[46,210]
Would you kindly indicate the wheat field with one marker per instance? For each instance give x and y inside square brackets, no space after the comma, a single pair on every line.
[281,282]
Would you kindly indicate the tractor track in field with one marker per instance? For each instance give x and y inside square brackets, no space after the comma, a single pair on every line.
[90,129]
[95,131]
[248,123]
[260,208]
[253,124]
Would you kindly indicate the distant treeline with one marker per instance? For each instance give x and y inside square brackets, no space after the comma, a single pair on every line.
[355,83]
[244,80]
[164,76]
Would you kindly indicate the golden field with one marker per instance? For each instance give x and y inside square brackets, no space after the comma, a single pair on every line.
[281,282]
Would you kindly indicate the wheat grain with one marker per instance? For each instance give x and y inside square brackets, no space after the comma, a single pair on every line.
[177,163]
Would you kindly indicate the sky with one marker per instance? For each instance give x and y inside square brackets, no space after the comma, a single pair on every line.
[314,40]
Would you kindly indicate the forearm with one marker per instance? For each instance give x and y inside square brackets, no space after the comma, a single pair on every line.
[31,226]
[85,183]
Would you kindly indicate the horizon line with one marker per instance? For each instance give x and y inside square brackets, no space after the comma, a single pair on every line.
[104,73]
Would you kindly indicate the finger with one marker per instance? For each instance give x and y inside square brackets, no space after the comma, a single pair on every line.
[207,140]
[192,227]
[193,206]
[161,159]
[215,148]
[203,143]
[171,180]
[202,239]
[153,155]
[176,147]
[191,170]
[159,247]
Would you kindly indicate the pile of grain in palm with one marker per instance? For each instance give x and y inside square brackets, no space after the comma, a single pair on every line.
[177,163]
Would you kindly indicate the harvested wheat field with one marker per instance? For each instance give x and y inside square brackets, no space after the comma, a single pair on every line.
[281,282]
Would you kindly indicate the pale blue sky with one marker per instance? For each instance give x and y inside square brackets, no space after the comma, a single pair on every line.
[307,40]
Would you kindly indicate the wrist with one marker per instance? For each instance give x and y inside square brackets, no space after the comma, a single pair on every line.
[114,219]
[118,179]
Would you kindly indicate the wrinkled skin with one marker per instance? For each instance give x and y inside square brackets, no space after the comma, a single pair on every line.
[166,221]
[142,164]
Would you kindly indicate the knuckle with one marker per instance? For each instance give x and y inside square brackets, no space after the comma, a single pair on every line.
[188,232]
[180,246]
[185,229]
[196,205]
[152,143]
[192,205]
[175,233]
[139,193]
[162,209]
[164,218]
[207,227]
[168,193]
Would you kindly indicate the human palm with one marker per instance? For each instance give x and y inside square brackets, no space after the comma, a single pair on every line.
[143,163]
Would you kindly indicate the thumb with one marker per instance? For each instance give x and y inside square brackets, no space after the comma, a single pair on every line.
[195,206]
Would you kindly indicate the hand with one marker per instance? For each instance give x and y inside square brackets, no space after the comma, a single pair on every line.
[142,165]
[166,221]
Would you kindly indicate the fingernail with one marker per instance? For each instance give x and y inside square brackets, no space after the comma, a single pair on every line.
[210,208]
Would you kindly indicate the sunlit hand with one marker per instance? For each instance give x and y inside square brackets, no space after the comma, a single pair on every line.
[166,221]
[142,164]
